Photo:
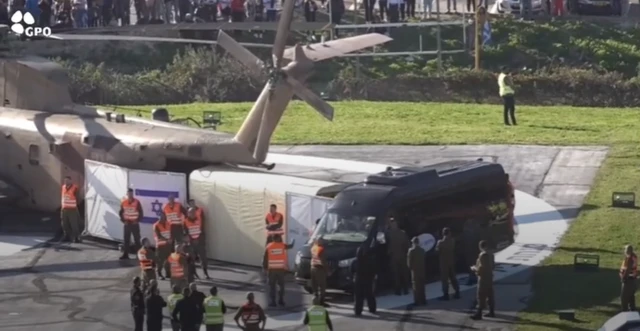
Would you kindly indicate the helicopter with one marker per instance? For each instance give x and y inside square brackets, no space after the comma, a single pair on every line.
[46,136]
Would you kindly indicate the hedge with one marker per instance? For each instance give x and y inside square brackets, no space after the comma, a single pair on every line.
[198,76]
[559,62]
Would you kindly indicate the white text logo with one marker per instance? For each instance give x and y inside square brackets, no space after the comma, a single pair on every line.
[19,19]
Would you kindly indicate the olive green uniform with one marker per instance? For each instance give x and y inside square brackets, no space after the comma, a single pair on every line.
[446,248]
[629,285]
[162,253]
[319,279]
[484,270]
[397,250]
[275,277]
[415,261]
[131,229]
[70,218]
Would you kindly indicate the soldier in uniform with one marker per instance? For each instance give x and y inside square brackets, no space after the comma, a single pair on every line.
[146,258]
[190,259]
[484,270]
[397,250]
[628,276]
[162,236]
[363,285]
[194,227]
[175,212]
[177,263]
[251,314]
[415,261]
[446,255]
[319,270]
[275,263]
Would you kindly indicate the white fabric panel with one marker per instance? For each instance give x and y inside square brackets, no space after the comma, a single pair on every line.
[235,202]
[152,189]
[303,211]
[105,185]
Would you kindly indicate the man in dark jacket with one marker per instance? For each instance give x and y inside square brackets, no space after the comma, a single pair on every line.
[154,304]
[187,312]
[365,273]
[198,297]
[137,304]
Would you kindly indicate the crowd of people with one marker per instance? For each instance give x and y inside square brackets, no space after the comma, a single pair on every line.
[179,236]
[95,13]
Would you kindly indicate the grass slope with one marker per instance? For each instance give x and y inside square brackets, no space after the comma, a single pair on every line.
[599,229]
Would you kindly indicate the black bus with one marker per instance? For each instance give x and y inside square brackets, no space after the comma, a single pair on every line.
[466,196]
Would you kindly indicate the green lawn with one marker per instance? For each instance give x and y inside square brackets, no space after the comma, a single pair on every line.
[599,229]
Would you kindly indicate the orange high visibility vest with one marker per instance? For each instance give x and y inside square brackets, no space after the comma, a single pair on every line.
[277,255]
[199,213]
[194,227]
[274,220]
[145,262]
[173,214]
[316,250]
[130,210]
[177,271]
[250,314]
[634,266]
[165,231]
[69,197]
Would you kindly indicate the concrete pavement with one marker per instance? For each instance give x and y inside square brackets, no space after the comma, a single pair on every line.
[85,287]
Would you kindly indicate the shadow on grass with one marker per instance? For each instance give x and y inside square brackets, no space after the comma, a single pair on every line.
[560,287]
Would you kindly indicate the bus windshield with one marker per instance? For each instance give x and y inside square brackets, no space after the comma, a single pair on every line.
[352,228]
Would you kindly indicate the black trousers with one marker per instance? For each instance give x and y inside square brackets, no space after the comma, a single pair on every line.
[509,109]
[138,319]
[471,4]
[154,324]
[364,290]
[411,8]
[383,9]
[393,14]
[368,10]
[402,6]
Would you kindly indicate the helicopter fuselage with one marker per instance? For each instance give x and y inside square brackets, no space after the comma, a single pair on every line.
[38,149]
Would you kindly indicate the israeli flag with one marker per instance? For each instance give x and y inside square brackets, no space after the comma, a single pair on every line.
[486,34]
[152,202]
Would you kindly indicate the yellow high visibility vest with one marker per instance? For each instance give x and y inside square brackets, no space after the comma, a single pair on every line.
[504,89]
[317,318]
[213,311]
[172,300]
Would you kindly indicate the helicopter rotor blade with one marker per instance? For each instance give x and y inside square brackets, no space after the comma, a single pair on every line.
[311,98]
[90,37]
[252,62]
[283,32]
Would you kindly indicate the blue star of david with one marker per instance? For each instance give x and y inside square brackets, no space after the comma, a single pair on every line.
[156,207]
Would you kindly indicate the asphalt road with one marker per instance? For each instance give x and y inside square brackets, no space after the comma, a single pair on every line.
[85,286]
